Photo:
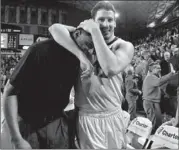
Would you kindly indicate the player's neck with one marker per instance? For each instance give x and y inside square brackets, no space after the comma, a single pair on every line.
[110,39]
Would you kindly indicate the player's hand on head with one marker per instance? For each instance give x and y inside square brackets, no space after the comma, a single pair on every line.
[88,25]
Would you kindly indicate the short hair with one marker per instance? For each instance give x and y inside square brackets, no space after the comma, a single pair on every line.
[152,65]
[166,53]
[102,5]
[89,43]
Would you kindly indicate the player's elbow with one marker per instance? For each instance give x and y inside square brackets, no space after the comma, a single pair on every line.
[54,27]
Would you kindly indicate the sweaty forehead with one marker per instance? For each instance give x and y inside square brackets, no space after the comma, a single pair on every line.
[102,13]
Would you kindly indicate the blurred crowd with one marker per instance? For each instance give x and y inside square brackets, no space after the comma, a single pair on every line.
[158,55]
[8,62]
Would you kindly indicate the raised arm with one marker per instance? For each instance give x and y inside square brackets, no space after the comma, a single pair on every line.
[61,35]
[111,62]
[160,81]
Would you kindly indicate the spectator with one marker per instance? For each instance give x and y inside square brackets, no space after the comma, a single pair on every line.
[174,58]
[152,94]
[171,90]
[165,64]
[142,68]
[153,55]
[132,92]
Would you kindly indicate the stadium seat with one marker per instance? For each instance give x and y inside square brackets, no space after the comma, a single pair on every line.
[138,133]
[166,137]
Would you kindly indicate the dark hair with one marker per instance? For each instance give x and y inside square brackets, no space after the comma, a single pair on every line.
[102,5]
[82,31]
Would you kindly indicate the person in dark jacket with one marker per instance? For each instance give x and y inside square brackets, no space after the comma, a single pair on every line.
[171,90]
[174,59]
[165,64]
[38,91]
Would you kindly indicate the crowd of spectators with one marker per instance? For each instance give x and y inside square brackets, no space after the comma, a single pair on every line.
[161,51]
[8,62]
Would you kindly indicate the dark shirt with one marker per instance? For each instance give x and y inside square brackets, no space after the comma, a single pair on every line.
[154,57]
[165,67]
[175,61]
[171,88]
[44,78]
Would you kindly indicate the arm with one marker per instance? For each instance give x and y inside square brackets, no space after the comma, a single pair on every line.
[129,87]
[62,36]
[160,81]
[176,118]
[24,71]
[11,115]
[112,63]
[135,91]
[10,111]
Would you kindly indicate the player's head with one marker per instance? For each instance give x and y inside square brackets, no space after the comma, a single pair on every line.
[104,14]
[83,39]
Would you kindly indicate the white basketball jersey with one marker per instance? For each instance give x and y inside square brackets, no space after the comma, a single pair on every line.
[98,92]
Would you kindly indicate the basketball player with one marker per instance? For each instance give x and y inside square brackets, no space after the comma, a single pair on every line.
[98,95]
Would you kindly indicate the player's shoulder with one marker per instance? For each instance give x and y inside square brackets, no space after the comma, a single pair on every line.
[125,45]
[120,41]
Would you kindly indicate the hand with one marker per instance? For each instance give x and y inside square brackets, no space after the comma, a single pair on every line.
[140,92]
[172,69]
[174,122]
[88,25]
[21,144]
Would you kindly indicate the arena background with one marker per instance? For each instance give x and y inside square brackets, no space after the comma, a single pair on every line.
[24,22]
